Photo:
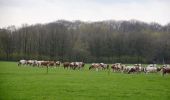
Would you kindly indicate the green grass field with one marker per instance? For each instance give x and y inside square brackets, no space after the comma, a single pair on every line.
[32,83]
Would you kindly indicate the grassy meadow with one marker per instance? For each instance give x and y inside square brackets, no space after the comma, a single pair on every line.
[33,83]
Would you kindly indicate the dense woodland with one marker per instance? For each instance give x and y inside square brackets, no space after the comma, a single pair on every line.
[103,41]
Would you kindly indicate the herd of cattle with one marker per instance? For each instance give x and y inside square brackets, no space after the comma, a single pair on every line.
[117,67]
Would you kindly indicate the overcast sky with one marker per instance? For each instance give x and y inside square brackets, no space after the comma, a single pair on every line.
[17,12]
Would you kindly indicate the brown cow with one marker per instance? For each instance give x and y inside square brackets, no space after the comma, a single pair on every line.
[66,65]
[51,63]
[45,63]
[165,70]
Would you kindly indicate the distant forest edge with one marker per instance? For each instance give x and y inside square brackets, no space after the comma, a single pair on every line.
[104,41]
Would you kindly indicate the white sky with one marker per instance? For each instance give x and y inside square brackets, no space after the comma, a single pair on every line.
[17,12]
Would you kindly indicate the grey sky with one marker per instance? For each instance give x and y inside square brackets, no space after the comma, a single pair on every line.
[17,12]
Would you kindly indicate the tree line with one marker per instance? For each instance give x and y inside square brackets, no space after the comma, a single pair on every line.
[103,41]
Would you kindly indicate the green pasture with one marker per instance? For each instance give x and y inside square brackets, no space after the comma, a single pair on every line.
[32,83]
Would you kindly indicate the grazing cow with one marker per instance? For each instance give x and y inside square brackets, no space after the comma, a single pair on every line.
[136,68]
[66,65]
[151,69]
[92,66]
[31,62]
[58,63]
[117,67]
[22,62]
[104,66]
[38,63]
[113,67]
[51,63]
[72,65]
[129,69]
[139,68]
[132,70]
[45,63]
[165,70]
[34,63]
[95,66]
[78,65]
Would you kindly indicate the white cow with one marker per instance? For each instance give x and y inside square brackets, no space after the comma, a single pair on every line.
[79,65]
[22,62]
[128,68]
[150,69]
[58,63]
[31,62]
[139,67]
[38,63]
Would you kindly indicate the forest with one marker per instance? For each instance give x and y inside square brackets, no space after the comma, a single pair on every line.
[107,41]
